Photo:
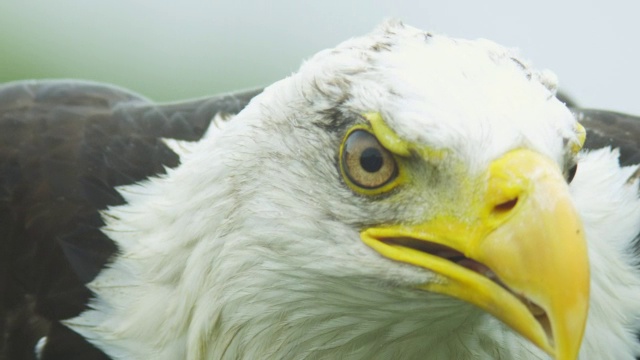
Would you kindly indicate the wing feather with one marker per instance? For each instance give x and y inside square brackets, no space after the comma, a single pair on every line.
[617,130]
[64,146]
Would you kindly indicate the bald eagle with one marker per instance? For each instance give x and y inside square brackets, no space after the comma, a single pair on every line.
[404,195]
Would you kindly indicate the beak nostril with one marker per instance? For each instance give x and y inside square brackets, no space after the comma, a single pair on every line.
[506,206]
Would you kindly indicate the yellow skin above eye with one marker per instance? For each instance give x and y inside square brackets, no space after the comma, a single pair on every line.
[392,149]
[581,135]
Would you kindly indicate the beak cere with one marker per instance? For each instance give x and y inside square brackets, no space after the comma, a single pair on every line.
[517,252]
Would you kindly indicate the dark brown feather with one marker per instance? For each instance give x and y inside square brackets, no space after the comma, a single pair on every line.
[617,130]
[64,146]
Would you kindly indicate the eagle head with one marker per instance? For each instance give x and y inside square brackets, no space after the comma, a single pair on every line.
[404,195]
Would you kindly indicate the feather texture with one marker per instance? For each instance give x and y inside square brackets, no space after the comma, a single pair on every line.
[174,239]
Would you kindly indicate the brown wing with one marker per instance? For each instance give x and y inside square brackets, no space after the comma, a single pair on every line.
[64,146]
[607,128]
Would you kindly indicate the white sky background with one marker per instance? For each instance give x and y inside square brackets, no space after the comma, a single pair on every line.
[170,50]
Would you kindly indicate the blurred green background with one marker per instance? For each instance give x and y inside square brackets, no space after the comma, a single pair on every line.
[170,50]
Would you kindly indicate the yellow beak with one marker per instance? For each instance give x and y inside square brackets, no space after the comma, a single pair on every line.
[516,250]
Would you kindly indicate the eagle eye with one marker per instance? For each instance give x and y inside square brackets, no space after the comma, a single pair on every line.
[365,162]
[570,173]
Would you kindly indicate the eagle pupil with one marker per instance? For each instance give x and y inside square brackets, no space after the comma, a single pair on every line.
[571,173]
[371,160]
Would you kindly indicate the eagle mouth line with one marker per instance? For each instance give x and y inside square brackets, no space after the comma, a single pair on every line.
[456,257]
